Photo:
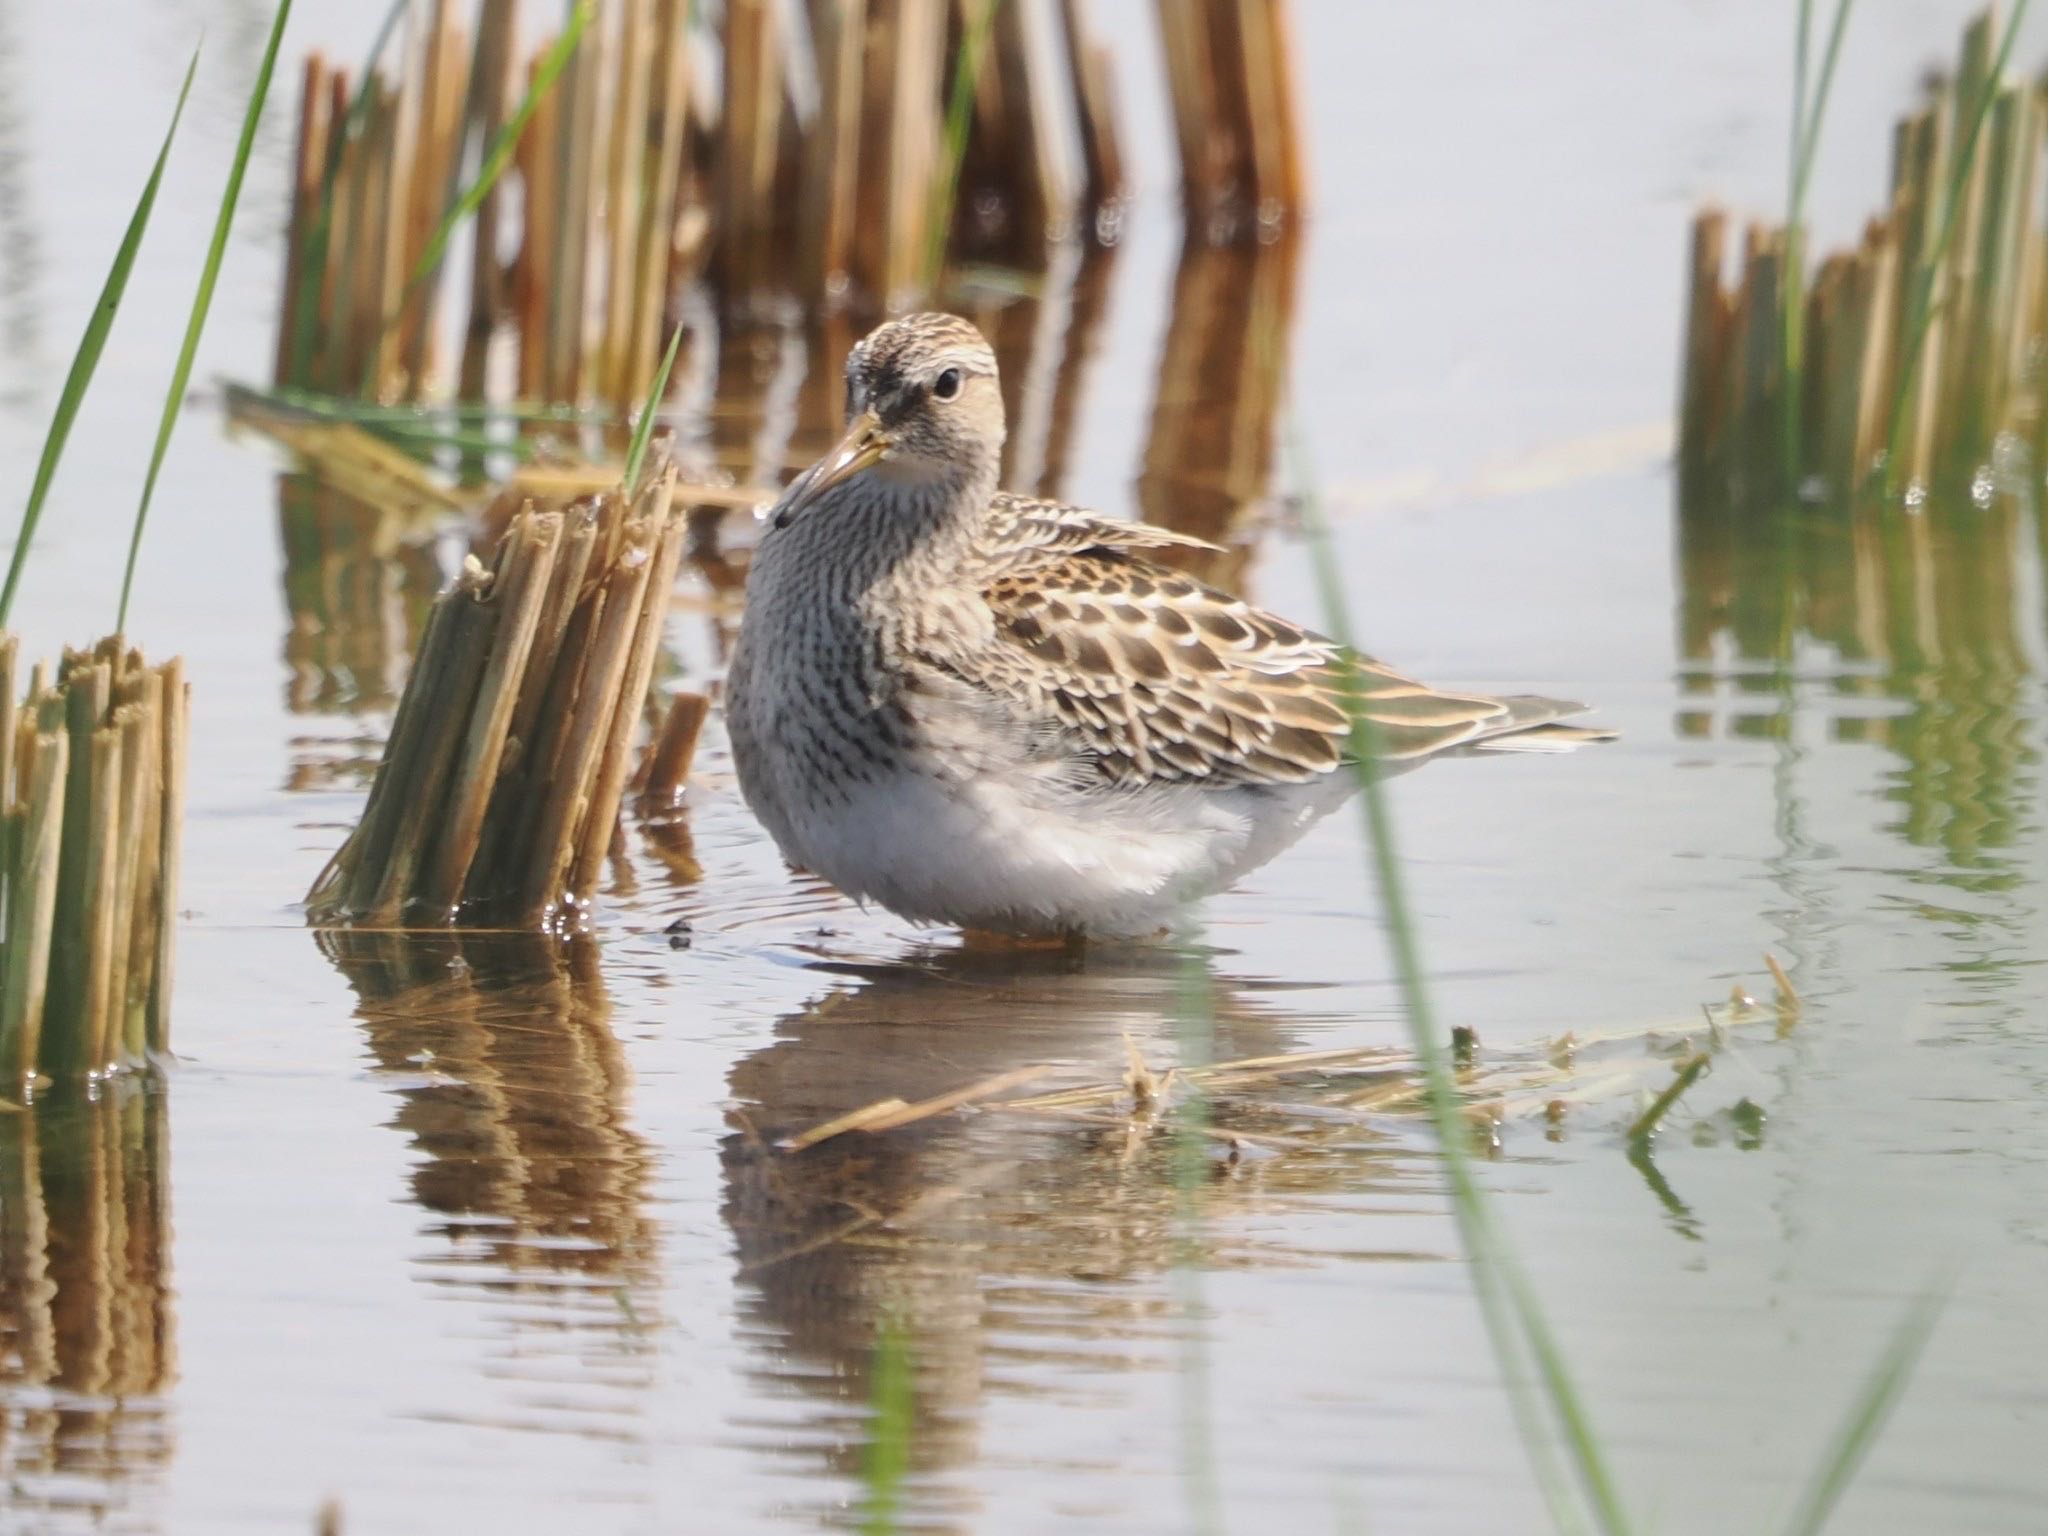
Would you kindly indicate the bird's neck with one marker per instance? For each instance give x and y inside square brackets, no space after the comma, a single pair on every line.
[897,537]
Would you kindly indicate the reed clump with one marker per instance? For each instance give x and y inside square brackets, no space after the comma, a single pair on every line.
[498,794]
[851,148]
[92,786]
[1913,350]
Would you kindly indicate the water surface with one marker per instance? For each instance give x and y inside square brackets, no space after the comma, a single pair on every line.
[478,1233]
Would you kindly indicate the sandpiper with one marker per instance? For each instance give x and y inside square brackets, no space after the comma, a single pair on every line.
[1003,713]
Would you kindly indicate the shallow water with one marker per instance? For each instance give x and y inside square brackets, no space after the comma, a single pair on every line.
[481,1234]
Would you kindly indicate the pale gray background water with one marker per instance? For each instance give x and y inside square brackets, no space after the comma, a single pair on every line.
[1485,359]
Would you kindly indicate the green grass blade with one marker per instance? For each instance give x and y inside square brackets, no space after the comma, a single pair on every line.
[496,157]
[307,301]
[643,429]
[201,303]
[959,112]
[90,345]
[1809,128]
[1802,41]
[1515,1324]
[1923,309]
[1866,1417]
[887,1462]
[1806,124]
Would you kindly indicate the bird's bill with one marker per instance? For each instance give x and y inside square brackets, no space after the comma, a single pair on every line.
[862,447]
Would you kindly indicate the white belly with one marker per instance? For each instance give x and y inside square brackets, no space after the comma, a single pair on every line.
[1004,855]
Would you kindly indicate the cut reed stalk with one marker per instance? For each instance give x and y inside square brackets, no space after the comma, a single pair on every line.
[501,782]
[666,766]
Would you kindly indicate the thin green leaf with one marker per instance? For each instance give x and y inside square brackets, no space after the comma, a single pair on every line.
[891,1419]
[201,303]
[306,304]
[90,345]
[1867,1414]
[959,112]
[1514,1319]
[643,429]
[1805,145]
[496,157]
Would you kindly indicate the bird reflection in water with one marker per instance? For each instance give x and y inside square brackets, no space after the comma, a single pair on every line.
[1005,1240]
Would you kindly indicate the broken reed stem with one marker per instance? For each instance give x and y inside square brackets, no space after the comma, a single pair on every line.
[1910,351]
[91,806]
[1688,1073]
[502,778]
[666,765]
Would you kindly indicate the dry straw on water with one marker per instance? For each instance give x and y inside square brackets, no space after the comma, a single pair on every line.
[92,785]
[499,790]
[1915,346]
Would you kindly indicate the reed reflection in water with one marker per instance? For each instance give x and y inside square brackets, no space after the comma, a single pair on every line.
[87,1353]
[1008,1241]
[1909,627]
[512,1086]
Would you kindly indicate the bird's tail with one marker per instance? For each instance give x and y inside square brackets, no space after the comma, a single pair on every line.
[1536,724]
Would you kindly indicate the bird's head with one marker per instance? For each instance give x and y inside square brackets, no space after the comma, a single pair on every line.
[924,410]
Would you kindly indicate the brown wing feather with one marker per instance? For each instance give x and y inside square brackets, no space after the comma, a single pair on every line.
[1163,678]
[1025,534]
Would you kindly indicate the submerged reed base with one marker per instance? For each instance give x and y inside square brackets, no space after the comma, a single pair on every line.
[92,792]
[497,799]
[1913,352]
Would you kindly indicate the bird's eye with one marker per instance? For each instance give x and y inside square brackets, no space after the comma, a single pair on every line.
[947,385]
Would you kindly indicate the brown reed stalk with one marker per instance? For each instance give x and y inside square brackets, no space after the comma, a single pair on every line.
[524,574]
[1089,79]
[626,181]
[900,134]
[1230,73]
[1044,183]
[832,156]
[750,143]
[37,849]
[484,112]
[667,763]
[532,276]
[669,91]
[309,166]
[579,124]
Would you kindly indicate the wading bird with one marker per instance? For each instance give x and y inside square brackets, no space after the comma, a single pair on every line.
[1003,713]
